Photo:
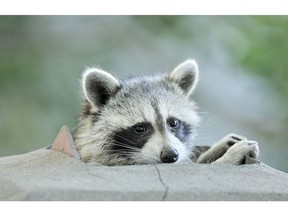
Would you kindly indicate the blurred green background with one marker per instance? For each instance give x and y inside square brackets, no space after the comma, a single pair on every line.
[243,63]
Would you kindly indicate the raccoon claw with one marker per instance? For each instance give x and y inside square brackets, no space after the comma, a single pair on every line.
[249,143]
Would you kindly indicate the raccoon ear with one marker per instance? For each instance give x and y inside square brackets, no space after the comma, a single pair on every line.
[185,75]
[99,86]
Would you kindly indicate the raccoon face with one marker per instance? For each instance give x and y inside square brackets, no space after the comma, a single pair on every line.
[141,120]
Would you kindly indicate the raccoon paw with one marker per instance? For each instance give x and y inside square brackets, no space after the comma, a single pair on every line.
[230,139]
[220,148]
[237,153]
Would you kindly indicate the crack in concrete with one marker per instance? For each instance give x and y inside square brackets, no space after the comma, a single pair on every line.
[164,185]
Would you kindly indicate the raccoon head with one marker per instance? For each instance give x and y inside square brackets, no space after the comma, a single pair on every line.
[141,120]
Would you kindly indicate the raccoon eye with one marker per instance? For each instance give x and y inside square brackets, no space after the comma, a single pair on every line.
[174,123]
[140,129]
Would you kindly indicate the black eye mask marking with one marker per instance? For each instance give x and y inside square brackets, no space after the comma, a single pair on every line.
[181,130]
[129,139]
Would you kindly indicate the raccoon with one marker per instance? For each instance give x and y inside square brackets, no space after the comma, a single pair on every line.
[148,120]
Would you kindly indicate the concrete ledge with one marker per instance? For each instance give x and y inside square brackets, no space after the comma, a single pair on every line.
[56,173]
[50,175]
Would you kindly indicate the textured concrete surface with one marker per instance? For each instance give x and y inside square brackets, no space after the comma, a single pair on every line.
[50,175]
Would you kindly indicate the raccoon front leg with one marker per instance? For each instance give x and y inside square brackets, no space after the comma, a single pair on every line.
[219,149]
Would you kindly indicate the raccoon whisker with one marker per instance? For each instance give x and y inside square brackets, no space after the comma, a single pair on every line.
[122,154]
[197,150]
[204,124]
[125,146]
[202,134]
[188,141]
[140,137]
[187,159]
[131,150]
[125,139]
[148,158]
[202,131]
[115,152]
[126,151]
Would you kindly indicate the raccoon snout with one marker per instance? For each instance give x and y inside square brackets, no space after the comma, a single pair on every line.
[169,155]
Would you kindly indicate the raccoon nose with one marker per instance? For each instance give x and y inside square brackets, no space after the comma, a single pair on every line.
[169,156]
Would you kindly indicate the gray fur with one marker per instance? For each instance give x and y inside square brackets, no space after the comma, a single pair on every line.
[112,105]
